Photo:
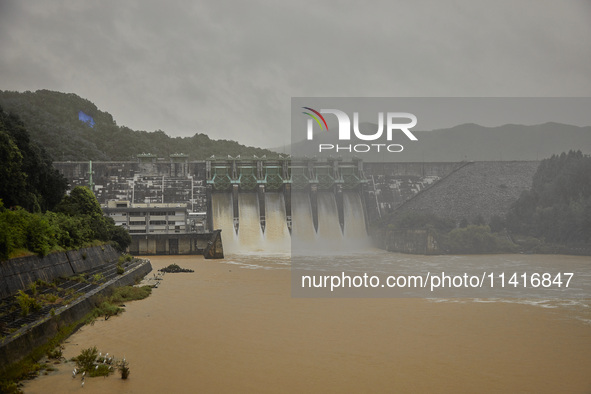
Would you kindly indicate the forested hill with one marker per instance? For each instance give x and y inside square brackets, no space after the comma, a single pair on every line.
[73,128]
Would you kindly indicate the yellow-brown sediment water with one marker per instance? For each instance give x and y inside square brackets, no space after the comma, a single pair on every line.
[230,328]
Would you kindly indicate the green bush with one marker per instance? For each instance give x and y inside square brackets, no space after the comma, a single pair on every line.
[557,208]
[96,278]
[130,293]
[105,309]
[123,367]
[39,235]
[528,243]
[476,239]
[120,238]
[27,303]
[81,278]
[108,307]
[100,370]
[85,360]
[78,222]
[124,257]
[49,298]
[56,353]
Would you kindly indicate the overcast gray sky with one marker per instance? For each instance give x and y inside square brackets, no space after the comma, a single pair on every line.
[229,68]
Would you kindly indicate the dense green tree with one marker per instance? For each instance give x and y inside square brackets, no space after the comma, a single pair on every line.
[476,239]
[83,205]
[70,231]
[22,230]
[27,177]
[102,227]
[81,201]
[558,206]
[28,180]
[120,238]
[52,119]
[79,225]
[12,177]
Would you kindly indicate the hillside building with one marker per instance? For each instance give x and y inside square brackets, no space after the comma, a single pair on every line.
[151,218]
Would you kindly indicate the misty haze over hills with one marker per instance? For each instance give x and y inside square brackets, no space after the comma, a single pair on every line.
[468,141]
[52,119]
[72,128]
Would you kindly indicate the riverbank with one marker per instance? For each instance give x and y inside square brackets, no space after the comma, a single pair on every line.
[43,330]
[225,328]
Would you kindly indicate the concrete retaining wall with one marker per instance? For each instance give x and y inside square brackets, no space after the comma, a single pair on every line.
[406,241]
[173,243]
[17,274]
[20,344]
[84,259]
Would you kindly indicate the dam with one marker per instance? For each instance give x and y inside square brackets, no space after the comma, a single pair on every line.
[257,203]
[278,205]
[275,204]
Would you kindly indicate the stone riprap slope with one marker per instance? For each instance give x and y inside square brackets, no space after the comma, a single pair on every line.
[478,188]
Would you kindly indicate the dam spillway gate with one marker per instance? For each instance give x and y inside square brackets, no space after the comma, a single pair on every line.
[263,191]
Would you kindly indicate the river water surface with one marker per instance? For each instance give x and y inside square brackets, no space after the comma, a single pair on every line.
[233,326]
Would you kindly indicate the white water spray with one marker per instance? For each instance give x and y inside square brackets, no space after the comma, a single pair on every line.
[304,239]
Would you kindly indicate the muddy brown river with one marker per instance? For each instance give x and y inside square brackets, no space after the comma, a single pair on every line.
[233,327]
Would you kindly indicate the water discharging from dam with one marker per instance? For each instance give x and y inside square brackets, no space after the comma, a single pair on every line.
[250,233]
[223,218]
[276,238]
